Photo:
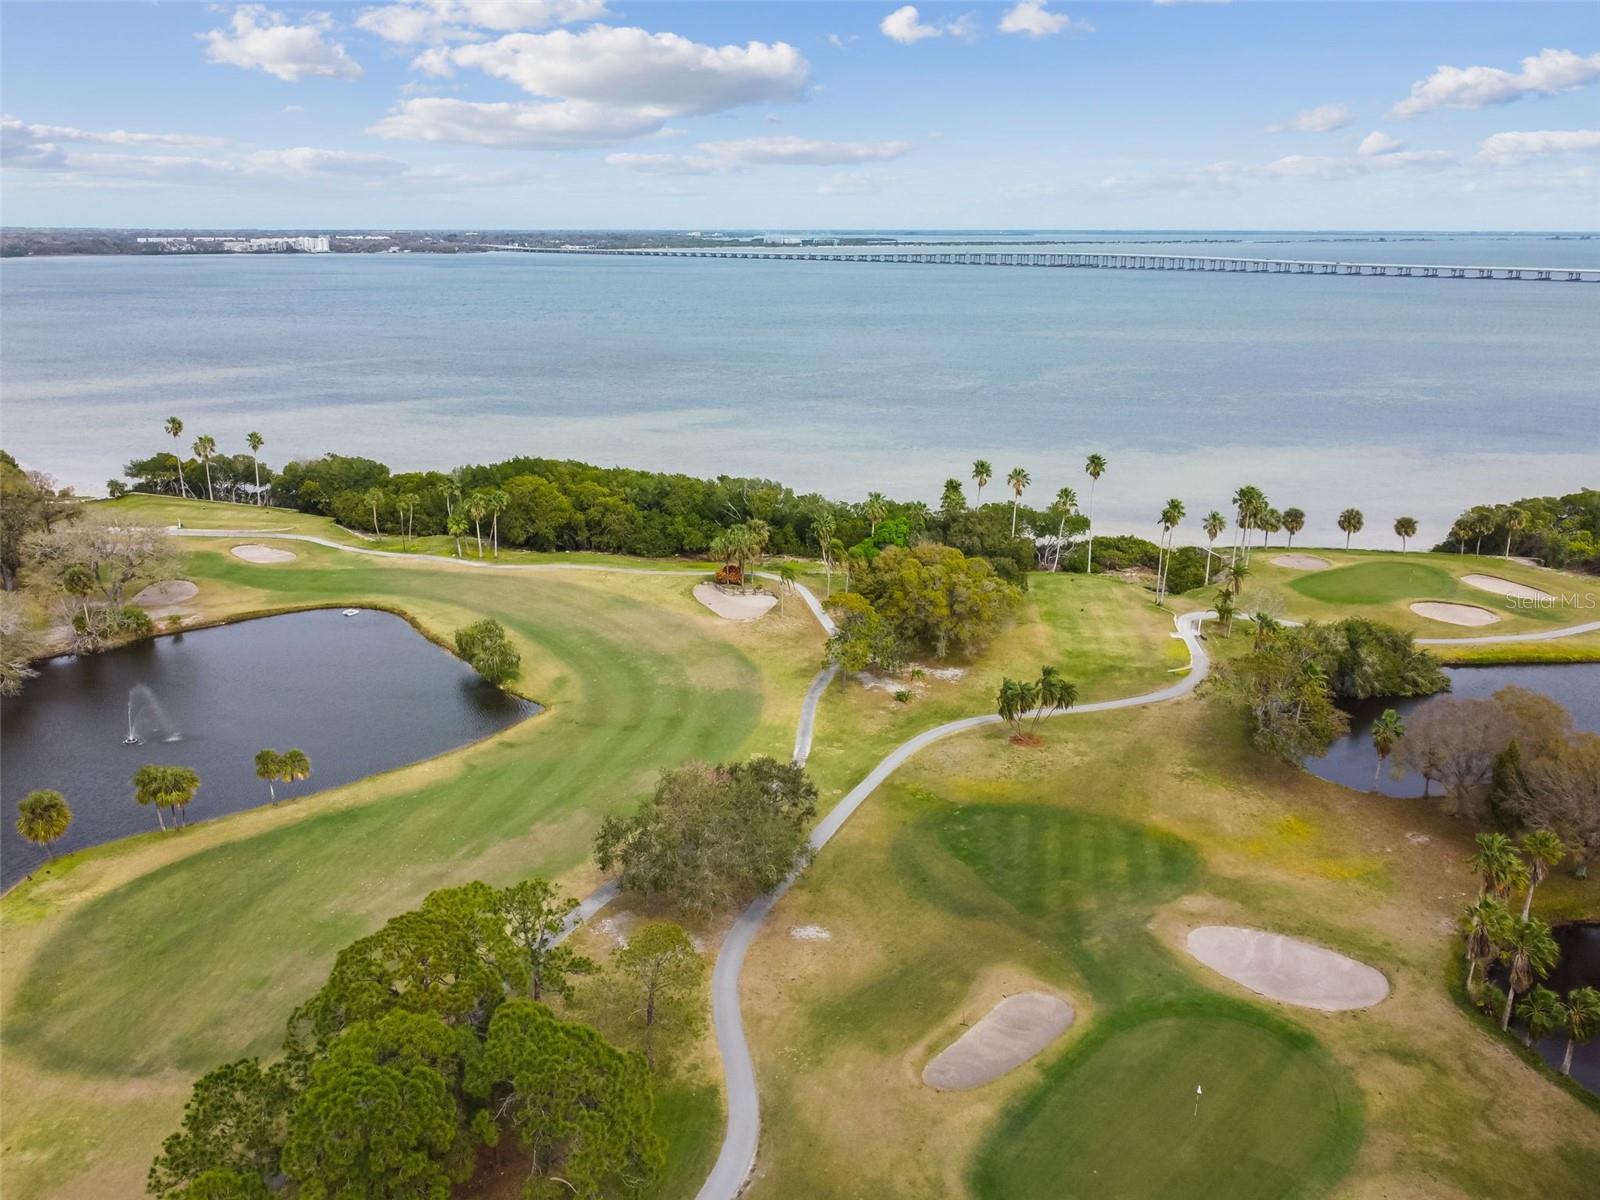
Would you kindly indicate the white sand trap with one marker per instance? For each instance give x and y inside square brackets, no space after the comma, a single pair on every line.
[1454,614]
[811,933]
[166,592]
[735,606]
[1281,968]
[1008,1035]
[1504,587]
[1301,562]
[262,554]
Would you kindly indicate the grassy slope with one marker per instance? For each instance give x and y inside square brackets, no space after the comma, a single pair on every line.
[130,967]
[923,942]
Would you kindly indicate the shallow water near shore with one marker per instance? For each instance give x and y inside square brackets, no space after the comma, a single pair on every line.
[358,694]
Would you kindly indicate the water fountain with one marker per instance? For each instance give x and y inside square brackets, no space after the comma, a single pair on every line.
[142,702]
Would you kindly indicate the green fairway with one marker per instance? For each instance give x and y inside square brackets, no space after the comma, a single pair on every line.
[1119,1118]
[1377,583]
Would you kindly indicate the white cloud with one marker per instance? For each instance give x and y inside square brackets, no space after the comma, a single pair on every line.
[1542,74]
[261,40]
[294,108]
[1290,168]
[427,21]
[1378,142]
[838,42]
[303,162]
[557,125]
[1325,118]
[904,25]
[1030,19]
[1508,149]
[739,153]
[17,132]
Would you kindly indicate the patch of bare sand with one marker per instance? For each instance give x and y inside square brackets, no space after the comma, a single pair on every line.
[735,606]
[1454,614]
[1008,1035]
[1505,587]
[251,552]
[166,592]
[1301,562]
[1285,969]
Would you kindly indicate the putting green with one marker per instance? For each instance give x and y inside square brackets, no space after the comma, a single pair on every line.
[1119,1116]
[1376,583]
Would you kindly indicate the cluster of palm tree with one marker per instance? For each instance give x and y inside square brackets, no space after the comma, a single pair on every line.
[205,449]
[166,787]
[1170,517]
[1019,699]
[273,768]
[43,818]
[1522,942]
[738,545]
[1479,522]
[1018,480]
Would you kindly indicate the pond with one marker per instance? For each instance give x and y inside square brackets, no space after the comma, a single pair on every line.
[1352,760]
[359,694]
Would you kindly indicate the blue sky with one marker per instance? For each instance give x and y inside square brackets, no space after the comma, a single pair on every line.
[602,113]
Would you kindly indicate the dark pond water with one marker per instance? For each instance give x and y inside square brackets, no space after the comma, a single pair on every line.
[358,694]
[1352,760]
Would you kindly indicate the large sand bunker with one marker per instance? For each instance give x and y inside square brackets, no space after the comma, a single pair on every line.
[1504,587]
[1454,614]
[1281,968]
[1007,1036]
[735,606]
[262,554]
[166,593]
[1301,562]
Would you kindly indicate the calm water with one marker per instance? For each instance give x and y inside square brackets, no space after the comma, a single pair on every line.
[1399,396]
[358,694]
[1352,759]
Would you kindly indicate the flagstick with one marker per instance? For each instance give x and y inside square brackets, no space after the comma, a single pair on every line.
[1197,1099]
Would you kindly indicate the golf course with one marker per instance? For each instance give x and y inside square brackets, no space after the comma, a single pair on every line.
[980,869]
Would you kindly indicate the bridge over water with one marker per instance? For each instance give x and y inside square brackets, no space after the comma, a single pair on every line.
[1108,260]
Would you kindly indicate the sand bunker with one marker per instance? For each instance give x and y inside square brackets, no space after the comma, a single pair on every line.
[1009,1034]
[166,592]
[1301,562]
[735,606]
[1454,614]
[262,554]
[1281,968]
[1504,587]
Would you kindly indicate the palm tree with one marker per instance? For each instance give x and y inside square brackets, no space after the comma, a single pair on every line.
[174,429]
[1387,731]
[1294,520]
[373,499]
[451,491]
[1350,521]
[1014,701]
[1485,924]
[255,441]
[1271,522]
[1249,503]
[951,500]
[1170,516]
[1213,526]
[79,580]
[477,507]
[1581,1021]
[496,500]
[1482,522]
[1541,850]
[1094,467]
[269,767]
[1234,574]
[1066,503]
[42,817]
[456,526]
[877,508]
[1054,694]
[296,766]
[406,505]
[1225,609]
[1515,519]
[1541,1013]
[1529,953]
[1495,862]
[822,529]
[165,787]
[788,576]
[205,446]
[1017,480]
[1405,528]
[982,472]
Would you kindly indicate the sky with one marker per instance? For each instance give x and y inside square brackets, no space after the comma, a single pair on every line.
[519,114]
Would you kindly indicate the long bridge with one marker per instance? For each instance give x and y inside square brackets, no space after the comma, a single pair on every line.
[1107,260]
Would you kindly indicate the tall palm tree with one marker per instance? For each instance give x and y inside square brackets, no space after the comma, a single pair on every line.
[1064,505]
[497,500]
[1017,479]
[1249,502]
[1498,866]
[1541,1013]
[1581,1020]
[788,577]
[255,441]
[1405,528]
[174,428]
[42,817]
[1213,525]
[165,787]
[374,498]
[877,508]
[269,769]
[951,501]
[1234,574]
[456,526]
[205,447]
[1530,954]
[1094,466]
[477,508]
[406,505]
[1294,520]
[1541,850]
[822,529]
[296,767]
[1460,531]
[1485,923]
[1350,521]
[1515,520]
[451,491]
[982,472]
[1483,522]
[1271,522]
[1171,515]
[1387,731]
